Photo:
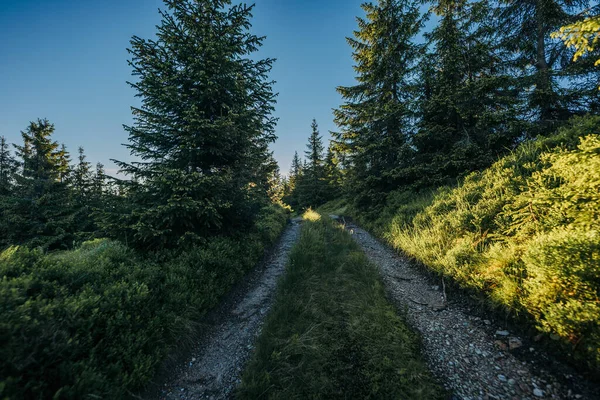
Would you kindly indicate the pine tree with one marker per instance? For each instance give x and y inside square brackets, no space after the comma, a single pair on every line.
[333,172]
[64,165]
[311,187]
[98,184]
[376,119]
[540,62]
[467,106]
[8,168]
[40,214]
[203,129]
[82,178]
[290,195]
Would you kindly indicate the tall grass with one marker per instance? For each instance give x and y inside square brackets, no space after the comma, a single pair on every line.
[96,322]
[526,232]
[331,333]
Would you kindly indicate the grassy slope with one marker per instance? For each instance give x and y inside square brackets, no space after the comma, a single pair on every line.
[95,322]
[332,333]
[525,232]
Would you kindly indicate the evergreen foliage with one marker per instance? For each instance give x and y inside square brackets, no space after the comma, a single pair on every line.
[96,321]
[8,168]
[468,110]
[523,232]
[314,182]
[37,211]
[552,87]
[311,187]
[376,119]
[202,131]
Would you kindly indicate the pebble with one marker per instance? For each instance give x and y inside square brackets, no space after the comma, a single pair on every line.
[458,351]
[514,343]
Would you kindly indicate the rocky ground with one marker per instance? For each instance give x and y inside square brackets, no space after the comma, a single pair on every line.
[213,368]
[474,357]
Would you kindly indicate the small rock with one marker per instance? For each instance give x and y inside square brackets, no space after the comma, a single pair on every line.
[435,288]
[514,343]
[525,388]
[538,393]
[538,337]
[500,344]
[194,359]
[512,382]
[487,322]
[502,333]
[554,337]
[501,378]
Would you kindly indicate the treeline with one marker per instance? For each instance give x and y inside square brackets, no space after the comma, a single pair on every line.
[476,153]
[200,139]
[46,200]
[315,180]
[194,211]
[488,76]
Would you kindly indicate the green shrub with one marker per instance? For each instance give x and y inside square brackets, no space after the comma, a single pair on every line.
[96,321]
[526,232]
[332,333]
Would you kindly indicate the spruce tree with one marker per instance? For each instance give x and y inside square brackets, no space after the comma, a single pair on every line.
[333,172]
[312,186]
[82,178]
[376,119]
[82,193]
[40,214]
[203,129]
[467,104]
[541,63]
[98,184]
[64,164]
[290,196]
[8,168]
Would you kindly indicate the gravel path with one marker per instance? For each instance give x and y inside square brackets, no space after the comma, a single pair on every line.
[213,368]
[474,358]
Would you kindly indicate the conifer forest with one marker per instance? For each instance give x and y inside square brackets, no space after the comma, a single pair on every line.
[443,242]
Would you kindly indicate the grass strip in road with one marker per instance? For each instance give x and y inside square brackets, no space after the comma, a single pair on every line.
[332,333]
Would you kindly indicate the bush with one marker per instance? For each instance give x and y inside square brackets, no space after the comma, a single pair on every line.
[96,321]
[525,232]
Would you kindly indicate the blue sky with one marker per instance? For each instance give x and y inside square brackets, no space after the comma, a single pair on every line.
[66,60]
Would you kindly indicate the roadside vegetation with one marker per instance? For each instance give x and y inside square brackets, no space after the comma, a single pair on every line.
[475,151]
[96,322]
[525,232]
[101,276]
[332,332]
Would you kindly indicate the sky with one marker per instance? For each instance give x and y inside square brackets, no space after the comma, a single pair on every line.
[66,60]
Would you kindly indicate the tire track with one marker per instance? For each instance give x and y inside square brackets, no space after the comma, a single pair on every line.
[473,357]
[213,369]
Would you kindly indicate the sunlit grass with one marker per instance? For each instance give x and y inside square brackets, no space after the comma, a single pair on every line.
[524,232]
[332,333]
[311,215]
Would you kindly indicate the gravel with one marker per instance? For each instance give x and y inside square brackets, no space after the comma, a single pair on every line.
[471,357]
[213,369]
